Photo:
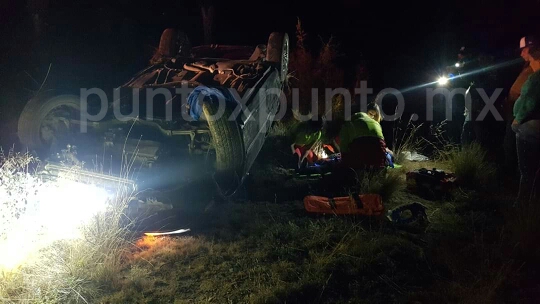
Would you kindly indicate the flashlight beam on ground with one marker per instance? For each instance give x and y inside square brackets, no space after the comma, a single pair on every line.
[166,233]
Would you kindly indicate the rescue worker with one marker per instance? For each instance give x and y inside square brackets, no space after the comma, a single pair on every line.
[361,141]
[361,144]
[307,134]
[308,137]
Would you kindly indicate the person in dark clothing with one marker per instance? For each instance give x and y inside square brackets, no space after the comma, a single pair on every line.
[453,128]
[475,128]
[527,128]
[466,107]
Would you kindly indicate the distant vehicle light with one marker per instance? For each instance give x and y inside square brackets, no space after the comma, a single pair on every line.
[457,65]
[442,80]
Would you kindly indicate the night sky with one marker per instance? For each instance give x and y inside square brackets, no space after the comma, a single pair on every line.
[100,43]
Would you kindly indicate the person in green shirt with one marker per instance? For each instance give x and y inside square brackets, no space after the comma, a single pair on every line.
[361,141]
[526,124]
[306,135]
[527,106]
[510,151]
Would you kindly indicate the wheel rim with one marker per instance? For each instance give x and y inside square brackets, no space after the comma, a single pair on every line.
[56,126]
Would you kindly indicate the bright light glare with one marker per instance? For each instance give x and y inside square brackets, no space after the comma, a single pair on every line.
[324,155]
[442,80]
[54,211]
[167,233]
[457,65]
[318,150]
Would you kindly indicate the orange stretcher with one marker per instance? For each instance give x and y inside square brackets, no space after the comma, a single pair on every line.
[363,204]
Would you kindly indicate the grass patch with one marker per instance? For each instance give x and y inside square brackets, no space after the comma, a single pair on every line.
[283,128]
[405,139]
[274,252]
[522,222]
[471,167]
[282,258]
[386,183]
[59,262]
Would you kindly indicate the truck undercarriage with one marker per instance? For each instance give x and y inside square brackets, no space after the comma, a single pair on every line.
[164,120]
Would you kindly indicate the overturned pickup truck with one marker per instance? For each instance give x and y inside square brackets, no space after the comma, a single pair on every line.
[194,111]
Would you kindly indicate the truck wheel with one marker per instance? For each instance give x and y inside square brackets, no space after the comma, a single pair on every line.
[228,144]
[277,51]
[45,122]
[174,42]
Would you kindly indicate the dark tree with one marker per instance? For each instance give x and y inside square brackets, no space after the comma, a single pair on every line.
[208,14]
[37,10]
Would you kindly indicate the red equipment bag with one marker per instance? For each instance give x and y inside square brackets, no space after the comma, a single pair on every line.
[435,180]
[363,204]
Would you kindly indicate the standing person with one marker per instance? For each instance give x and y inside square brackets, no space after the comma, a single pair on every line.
[487,129]
[475,129]
[466,76]
[526,124]
[510,137]
[453,128]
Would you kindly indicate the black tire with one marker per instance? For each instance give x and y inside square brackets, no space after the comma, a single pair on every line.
[277,51]
[174,42]
[229,147]
[167,43]
[36,115]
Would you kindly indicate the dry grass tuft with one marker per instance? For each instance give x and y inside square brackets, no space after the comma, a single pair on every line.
[406,139]
[471,166]
[66,270]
